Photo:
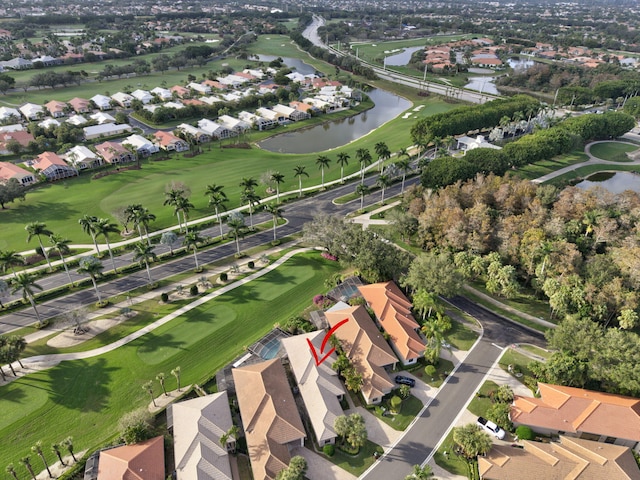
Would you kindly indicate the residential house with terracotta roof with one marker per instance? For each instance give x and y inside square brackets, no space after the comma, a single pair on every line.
[319,385]
[56,108]
[198,425]
[569,459]
[215,84]
[393,312]
[80,105]
[366,348]
[290,113]
[271,421]
[303,107]
[9,170]
[140,461]
[21,136]
[180,91]
[114,152]
[53,166]
[169,142]
[586,414]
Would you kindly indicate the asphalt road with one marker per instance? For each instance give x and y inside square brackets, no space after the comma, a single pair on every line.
[296,213]
[419,442]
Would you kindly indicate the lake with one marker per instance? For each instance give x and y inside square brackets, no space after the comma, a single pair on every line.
[293,63]
[337,133]
[402,58]
[615,182]
[485,84]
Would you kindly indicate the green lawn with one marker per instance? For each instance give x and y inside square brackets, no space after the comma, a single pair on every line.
[511,357]
[546,354]
[524,301]
[86,398]
[481,403]
[543,167]
[447,459]
[409,408]
[613,151]
[356,464]
[443,369]
[461,336]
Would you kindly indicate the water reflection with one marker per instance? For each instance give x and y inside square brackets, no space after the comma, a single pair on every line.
[615,182]
[336,133]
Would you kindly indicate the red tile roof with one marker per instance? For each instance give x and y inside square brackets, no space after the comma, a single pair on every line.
[141,461]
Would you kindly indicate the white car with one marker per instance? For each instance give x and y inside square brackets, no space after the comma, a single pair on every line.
[491,428]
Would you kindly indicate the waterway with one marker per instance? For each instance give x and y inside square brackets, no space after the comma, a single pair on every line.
[615,182]
[293,63]
[402,58]
[485,84]
[337,133]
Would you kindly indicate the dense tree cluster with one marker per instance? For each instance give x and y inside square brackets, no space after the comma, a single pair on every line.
[10,191]
[576,248]
[528,149]
[464,119]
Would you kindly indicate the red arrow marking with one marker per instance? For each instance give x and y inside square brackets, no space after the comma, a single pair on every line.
[324,343]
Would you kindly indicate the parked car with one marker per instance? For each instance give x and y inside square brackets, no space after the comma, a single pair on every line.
[400,380]
[491,428]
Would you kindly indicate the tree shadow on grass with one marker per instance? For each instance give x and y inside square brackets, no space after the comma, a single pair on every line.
[153,342]
[82,385]
[276,277]
[47,211]
[239,296]
[16,394]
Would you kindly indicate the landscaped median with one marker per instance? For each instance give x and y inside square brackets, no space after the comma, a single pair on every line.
[86,397]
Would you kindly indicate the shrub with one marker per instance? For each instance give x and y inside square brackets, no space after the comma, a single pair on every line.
[251,265]
[318,300]
[224,277]
[395,403]
[328,256]
[193,290]
[164,296]
[329,450]
[355,301]
[525,433]
[136,426]
[102,303]
[430,370]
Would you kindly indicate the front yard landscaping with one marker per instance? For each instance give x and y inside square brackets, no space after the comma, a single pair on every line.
[356,464]
[409,408]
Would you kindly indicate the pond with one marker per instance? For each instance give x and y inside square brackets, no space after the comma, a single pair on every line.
[293,63]
[486,84]
[337,133]
[615,182]
[402,58]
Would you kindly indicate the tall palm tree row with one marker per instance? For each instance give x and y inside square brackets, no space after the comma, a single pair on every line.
[383,182]
[383,152]
[141,217]
[323,162]
[235,222]
[10,259]
[26,282]
[277,178]
[93,267]
[88,224]
[61,244]
[342,160]
[104,226]
[191,241]
[362,190]
[249,196]
[172,198]
[364,157]
[276,213]
[144,254]
[37,229]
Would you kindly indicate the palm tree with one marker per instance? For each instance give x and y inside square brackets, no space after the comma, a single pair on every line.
[383,152]
[184,205]
[235,222]
[171,199]
[190,242]
[11,470]
[104,227]
[342,160]
[403,153]
[176,373]
[323,162]
[362,190]
[143,254]
[55,448]
[252,198]
[9,258]
[405,166]
[68,444]
[364,157]
[93,267]
[61,244]
[383,182]
[161,378]
[37,449]
[37,229]
[18,345]
[248,183]
[420,473]
[276,213]
[142,217]
[26,461]
[231,433]
[471,441]
[87,222]
[26,282]
[299,171]
[148,387]
[278,178]
[217,199]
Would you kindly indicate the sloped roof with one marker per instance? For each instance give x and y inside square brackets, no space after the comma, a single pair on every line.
[319,385]
[198,425]
[571,459]
[48,159]
[570,409]
[166,138]
[366,348]
[393,311]
[269,416]
[141,461]
[9,170]
[55,106]
[79,104]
